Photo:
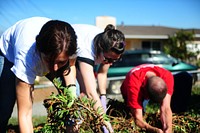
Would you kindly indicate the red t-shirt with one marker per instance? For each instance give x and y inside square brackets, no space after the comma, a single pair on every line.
[133,88]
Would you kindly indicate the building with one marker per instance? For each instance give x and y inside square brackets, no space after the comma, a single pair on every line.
[151,37]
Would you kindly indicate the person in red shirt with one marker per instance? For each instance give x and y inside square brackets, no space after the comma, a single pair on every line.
[149,82]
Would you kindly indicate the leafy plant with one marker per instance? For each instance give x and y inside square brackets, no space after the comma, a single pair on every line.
[122,120]
[68,114]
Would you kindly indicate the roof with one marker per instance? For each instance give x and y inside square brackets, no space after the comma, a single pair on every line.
[151,31]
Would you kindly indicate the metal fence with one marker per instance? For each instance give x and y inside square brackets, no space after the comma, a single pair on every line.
[196,73]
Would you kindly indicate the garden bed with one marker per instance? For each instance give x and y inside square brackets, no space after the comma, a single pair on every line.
[119,116]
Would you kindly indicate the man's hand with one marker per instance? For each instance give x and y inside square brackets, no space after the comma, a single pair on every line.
[139,121]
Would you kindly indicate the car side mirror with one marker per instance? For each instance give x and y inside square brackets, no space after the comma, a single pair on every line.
[175,63]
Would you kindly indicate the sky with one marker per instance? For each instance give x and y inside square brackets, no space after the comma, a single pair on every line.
[170,13]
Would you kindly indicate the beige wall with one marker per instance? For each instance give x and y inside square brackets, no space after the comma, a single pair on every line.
[103,21]
[133,44]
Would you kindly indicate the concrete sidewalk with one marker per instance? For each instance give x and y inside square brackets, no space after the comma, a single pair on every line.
[39,95]
[38,110]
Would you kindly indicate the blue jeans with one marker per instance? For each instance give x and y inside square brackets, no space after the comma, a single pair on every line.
[7,92]
[144,104]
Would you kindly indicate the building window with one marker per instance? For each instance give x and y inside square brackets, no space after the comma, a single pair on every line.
[153,45]
[146,45]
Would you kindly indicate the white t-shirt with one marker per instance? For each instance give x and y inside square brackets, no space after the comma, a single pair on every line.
[18,45]
[85,36]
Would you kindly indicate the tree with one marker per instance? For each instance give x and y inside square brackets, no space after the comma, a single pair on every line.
[176,45]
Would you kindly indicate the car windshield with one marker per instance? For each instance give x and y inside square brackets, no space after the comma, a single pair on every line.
[134,59]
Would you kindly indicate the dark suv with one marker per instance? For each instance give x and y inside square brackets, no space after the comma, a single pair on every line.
[132,58]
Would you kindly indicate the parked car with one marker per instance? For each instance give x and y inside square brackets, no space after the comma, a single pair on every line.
[132,58]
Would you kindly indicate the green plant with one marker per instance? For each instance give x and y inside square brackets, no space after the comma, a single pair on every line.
[176,45]
[122,120]
[66,113]
[186,123]
[196,89]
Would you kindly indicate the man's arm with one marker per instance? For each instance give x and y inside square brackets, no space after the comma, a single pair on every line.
[166,114]
[139,121]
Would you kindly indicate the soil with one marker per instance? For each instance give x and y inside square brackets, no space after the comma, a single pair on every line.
[43,93]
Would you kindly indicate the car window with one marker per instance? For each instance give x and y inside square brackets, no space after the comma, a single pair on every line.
[162,59]
[132,60]
[146,58]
